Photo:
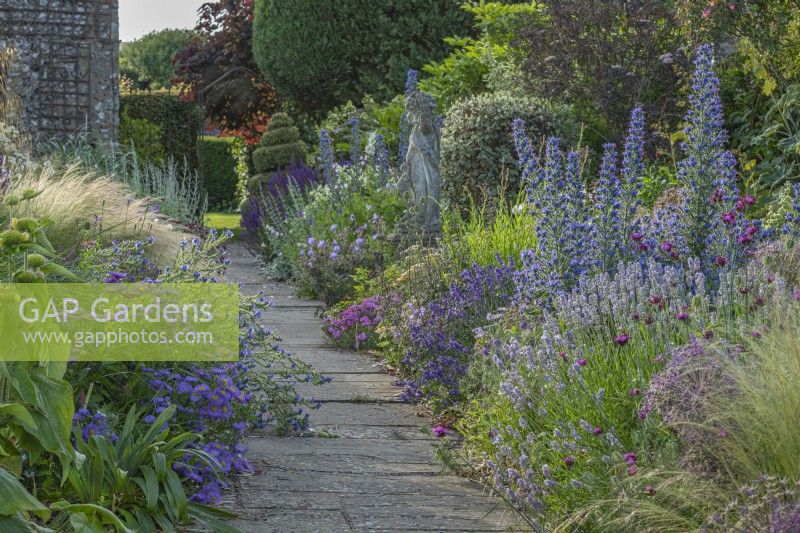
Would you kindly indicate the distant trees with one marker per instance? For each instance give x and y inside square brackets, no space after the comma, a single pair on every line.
[322,53]
[147,61]
[223,42]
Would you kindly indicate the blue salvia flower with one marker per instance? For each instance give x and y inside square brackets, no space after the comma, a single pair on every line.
[355,140]
[326,158]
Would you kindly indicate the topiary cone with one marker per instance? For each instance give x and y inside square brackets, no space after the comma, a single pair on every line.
[280,145]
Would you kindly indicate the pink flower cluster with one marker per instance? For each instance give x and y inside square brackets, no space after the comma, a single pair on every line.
[352,327]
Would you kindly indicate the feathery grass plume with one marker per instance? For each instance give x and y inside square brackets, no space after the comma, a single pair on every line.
[77,202]
[653,502]
[767,505]
[762,420]
[173,186]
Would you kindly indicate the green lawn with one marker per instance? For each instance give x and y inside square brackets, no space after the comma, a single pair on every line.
[223,221]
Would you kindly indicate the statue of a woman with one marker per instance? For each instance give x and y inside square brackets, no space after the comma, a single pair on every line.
[420,172]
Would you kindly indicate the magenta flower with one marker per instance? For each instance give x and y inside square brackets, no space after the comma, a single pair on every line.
[597,430]
[683,315]
[440,431]
[632,470]
[361,337]
[622,339]
[729,217]
[636,236]
[629,457]
[721,261]
[569,460]
[634,392]
[582,362]
[666,246]
[649,490]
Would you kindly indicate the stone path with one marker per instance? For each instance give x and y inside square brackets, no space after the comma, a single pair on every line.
[376,472]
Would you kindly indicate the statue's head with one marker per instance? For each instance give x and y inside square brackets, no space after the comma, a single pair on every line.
[421,109]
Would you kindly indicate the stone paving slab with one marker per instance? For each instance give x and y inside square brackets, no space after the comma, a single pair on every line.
[369,462]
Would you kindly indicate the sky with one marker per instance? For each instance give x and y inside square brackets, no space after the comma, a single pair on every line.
[139,17]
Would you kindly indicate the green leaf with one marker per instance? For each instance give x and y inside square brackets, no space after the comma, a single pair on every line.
[105,516]
[18,412]
[14,498]
[83,523]
[14,524]
[60,271]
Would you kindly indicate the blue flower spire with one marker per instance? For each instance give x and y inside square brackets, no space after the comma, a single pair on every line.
[526,157]
[355,140]
[378,156]
[633,162]
[326,157]
[608,207]
[708,171]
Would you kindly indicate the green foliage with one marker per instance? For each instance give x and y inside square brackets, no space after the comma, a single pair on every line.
[373,117]
[224,221]
[603,58]
[148,60]
[297,218]
[482,64]
[220,179]
[321,54]
[478,157]
[762,419]
[130,484]
[767,131]
[178,121]
[143,137]
[280,145]
[482,237]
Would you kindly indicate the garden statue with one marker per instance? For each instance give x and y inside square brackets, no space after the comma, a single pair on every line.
[420,177]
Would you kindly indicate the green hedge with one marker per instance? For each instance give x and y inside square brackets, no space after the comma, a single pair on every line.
[219,172]
[478,157]
[178,120]
[280,145]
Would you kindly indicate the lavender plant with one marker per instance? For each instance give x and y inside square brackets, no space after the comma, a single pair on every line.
[577,379]
[439,335]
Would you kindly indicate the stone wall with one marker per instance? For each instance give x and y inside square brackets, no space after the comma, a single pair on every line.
[67,64]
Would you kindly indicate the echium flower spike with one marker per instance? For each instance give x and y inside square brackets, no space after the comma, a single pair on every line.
[528,162]
[705,167]
[633,157]
[608,204]
[355,140]
[326,158]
